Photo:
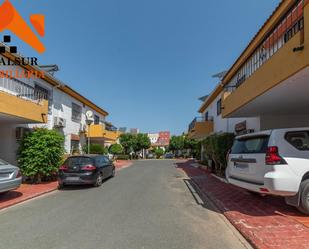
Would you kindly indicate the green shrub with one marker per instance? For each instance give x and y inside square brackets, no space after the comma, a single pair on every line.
[159,152]
[95,149]
[40,153]
[216,148]
[116,149]
[123,157]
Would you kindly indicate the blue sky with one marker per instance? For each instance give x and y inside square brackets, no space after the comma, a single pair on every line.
[145,61]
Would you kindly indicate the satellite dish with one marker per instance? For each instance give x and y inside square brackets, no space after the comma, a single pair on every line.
[89,117]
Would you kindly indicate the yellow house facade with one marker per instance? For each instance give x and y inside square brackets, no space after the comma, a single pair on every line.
[46,102]
[270,77]
[267,86]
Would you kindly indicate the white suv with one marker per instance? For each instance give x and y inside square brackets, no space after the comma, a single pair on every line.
[274,162]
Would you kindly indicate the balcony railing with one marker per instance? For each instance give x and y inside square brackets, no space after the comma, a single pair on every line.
[288,26]
[22,90]
[99,131]
[199,119]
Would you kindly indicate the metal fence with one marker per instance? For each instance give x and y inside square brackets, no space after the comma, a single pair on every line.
[22,90]
[199,119]
[288,26]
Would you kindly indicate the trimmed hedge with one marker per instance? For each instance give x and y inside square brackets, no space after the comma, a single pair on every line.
[96,149]
[216,148]
[40,153]
[115,149]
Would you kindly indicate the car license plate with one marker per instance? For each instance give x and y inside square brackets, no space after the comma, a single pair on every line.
[240,166]
[72,178]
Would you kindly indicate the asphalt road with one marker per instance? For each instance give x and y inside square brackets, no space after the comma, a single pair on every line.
[149,205]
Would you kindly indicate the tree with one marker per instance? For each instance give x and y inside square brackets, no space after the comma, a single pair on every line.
[193,146]
[143,142]
[176,143]
[128,142]
[159,152]
[135,143]
[95,149]
[40,153]
[115,149]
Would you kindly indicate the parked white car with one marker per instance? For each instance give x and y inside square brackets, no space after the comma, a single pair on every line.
[10,177]
[274,162]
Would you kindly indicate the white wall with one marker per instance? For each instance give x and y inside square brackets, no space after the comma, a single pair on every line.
[228,124]
[8,143]
[60,105]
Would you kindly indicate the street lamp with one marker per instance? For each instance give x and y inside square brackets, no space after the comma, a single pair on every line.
[89,121]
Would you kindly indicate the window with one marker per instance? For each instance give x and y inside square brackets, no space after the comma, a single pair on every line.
[250,145]
[96,119]
[206,116]
[40,92]
[298,139]
[76,113]
[99,161]
[106,160]
[219,107]
[3,162]
[74,146]
[78,161]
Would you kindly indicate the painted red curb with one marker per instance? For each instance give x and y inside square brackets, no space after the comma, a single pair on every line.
[19,200]
[122,164]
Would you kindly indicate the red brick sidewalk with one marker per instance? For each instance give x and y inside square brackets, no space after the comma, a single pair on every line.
[26,192]
[259,219]
[121,164]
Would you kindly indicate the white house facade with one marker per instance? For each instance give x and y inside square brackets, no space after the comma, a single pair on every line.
[28,102]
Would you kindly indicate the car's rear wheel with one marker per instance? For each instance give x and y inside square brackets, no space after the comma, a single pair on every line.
[99,180]
[304,197]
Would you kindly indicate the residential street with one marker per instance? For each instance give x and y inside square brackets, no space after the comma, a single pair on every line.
[148,205]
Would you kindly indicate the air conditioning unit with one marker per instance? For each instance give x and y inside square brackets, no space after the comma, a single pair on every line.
[59,122]
[21,132]
[83,128]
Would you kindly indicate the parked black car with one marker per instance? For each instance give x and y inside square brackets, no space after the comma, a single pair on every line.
[169,156]
[86,169]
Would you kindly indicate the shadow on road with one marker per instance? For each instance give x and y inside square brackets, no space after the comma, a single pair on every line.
[8,196]
[231,198]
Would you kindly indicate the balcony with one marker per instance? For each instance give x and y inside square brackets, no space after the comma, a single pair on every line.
[200,127]
[280,56]
[21,103]
[98,131]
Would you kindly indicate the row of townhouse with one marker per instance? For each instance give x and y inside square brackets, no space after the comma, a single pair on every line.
[268,85]
[28,102]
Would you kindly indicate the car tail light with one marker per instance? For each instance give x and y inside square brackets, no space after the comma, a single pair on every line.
[264,190]
[18,174]
[89,167]
[63,167]
[273,157]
